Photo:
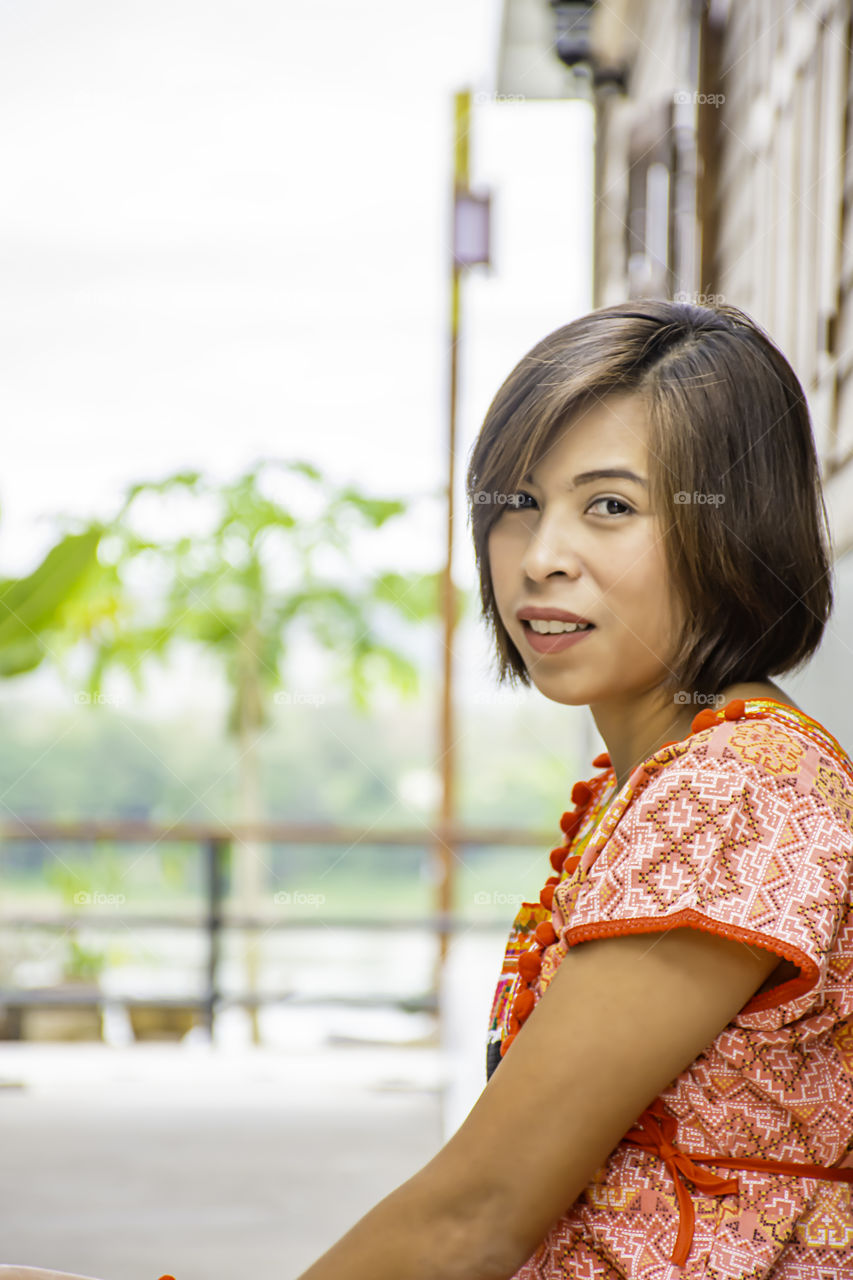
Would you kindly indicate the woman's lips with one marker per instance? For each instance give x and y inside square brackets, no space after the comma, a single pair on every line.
[553,643]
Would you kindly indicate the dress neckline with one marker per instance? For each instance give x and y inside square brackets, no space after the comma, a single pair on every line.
[785,711]
[795,713]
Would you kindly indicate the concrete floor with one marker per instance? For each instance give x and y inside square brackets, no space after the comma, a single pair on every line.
[129,1161]
[208,1164]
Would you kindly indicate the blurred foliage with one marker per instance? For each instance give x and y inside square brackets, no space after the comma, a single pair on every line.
[320,764]
[35,611]
[83,964]
[222,588]
[257,571]
[82,882]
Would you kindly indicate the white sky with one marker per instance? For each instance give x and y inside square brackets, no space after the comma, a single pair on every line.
[224,233]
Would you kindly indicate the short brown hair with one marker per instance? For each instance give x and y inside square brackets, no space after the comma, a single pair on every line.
[727,415]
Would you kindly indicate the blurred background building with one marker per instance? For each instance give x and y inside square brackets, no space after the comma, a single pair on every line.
[723,171]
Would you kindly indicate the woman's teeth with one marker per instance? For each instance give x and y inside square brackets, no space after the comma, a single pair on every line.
[551,626]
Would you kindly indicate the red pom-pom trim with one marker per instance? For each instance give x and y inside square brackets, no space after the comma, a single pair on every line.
[735,709]
[546,896]
[513,1026]
[703,720]
[558,857]
[506,1043]
[523,1004]
[570,821]
[545,933]
[602,761]
[581,793]
[529,964]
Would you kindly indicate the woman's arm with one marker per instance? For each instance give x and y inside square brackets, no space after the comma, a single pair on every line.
[430,1228]
[621,1018]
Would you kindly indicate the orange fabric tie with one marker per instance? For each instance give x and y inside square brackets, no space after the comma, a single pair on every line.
[655,1131]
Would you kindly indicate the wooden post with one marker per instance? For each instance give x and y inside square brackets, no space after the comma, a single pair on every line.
[444,853]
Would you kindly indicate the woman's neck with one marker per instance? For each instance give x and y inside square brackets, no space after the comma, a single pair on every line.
[634,729]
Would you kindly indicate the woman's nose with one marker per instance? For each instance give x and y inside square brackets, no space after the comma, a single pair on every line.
[550,550]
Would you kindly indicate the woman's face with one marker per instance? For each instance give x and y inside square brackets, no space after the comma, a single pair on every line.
[591,546]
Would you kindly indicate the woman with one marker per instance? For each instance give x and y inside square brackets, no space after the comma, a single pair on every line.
[670,1057]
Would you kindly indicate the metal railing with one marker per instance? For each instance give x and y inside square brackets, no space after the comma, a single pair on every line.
[216,844]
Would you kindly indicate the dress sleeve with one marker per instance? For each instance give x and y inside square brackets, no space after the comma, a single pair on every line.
[727,841]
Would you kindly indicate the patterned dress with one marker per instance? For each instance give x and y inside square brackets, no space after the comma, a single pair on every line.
[744,829]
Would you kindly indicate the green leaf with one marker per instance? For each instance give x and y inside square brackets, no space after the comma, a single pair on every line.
[20,657]
[306,469]
[32,604]
[374,510]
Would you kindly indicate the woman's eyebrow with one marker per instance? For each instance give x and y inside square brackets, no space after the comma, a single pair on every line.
[601,473]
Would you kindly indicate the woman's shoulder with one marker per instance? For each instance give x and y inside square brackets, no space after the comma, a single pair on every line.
[773,743]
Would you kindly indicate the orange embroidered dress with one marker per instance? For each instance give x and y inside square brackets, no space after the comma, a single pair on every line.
[742,1168]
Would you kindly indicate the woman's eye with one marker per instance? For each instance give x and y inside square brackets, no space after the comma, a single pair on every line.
[518,501]
[618,501]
